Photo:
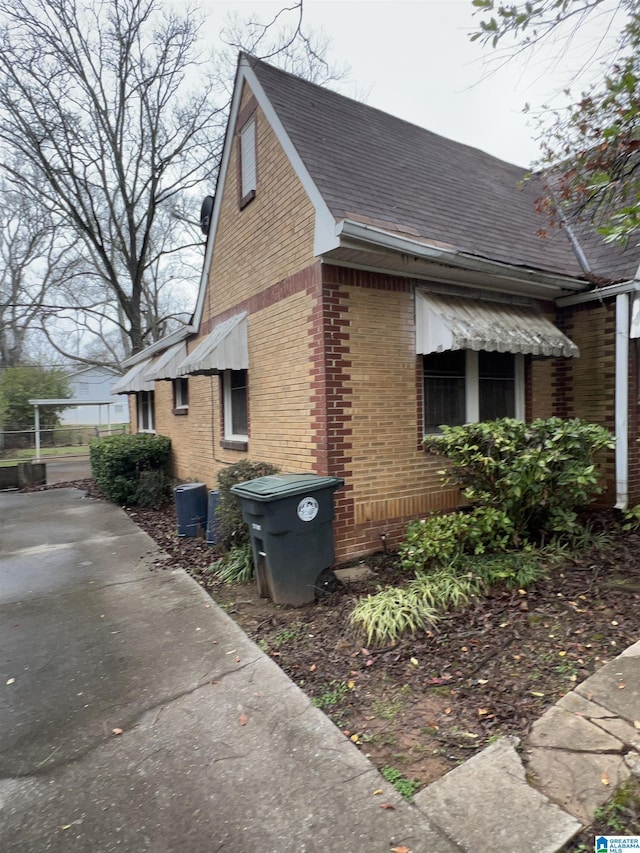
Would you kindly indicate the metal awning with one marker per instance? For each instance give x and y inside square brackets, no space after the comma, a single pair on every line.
[225,348]
[455,322]
[135,379]
[166,365]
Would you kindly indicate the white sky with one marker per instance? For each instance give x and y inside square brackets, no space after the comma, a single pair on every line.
[414,59]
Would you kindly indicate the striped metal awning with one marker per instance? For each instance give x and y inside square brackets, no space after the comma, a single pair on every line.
[225,348]
[166,365]
[135,379]
[456,322]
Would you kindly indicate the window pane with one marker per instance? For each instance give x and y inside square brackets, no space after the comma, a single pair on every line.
[152,410]
[497,385]
[444,389]
[146,411]
[248,157]
[181,393]
[238,402]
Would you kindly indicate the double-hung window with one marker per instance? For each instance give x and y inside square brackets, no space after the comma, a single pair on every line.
[463,386]
[236,422]
[146,411]
[180,395]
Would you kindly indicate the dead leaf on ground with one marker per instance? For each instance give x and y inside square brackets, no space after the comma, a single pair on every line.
[402,849]
[387,807]
[243,719]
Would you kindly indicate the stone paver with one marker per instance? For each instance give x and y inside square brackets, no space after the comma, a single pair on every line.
[561,729]
[486,803]
[616,687]
[580,782]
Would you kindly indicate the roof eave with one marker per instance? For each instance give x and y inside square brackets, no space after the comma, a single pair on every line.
[159,346]
[552,285]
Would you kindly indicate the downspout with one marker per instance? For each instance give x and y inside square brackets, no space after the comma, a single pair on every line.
[622,401]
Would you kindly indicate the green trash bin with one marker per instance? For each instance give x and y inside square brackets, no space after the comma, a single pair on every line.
[290,521]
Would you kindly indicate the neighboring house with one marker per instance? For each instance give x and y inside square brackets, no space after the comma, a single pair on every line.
[94,384]
[365,281]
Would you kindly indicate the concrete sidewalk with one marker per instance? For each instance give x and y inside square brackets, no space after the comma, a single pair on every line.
[219,750]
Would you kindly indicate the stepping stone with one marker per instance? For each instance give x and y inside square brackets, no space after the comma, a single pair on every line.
[561,729]
[580,782]
[486,803]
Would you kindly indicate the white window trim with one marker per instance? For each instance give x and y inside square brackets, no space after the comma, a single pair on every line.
[248,158]
[150,409]
[180,383]
[228,416]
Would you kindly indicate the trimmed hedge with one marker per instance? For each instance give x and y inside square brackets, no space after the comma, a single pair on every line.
[132,470]
[230,527]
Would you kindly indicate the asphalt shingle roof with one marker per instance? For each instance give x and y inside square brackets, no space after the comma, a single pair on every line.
[373,167]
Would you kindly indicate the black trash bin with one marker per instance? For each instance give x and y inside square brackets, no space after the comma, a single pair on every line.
[290,521]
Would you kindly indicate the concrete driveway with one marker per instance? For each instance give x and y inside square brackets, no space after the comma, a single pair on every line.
[136,716]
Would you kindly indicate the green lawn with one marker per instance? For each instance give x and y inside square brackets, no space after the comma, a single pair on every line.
[28,454]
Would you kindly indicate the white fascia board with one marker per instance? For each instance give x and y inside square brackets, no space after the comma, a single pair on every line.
[353,233]
[217,199]
[600,293]
[162,344]
[325,236]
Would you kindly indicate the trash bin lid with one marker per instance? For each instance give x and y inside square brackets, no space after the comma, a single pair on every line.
[276,486]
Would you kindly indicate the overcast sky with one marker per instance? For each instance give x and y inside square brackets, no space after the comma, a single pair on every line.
[413,58]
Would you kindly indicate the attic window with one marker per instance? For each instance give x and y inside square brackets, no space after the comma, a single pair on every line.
[248,162]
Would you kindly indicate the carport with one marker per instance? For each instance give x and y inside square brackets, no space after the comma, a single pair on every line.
[68,402]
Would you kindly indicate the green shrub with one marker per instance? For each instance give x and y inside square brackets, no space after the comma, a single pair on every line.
[538,474]
[525,483]
[513,569]
[632,518]
[131,469]
[444,539]
[230,527]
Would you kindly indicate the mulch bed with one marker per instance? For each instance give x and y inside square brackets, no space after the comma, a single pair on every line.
[433,700]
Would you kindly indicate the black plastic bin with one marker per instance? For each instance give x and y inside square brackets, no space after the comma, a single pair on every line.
[191,508]
[290,521]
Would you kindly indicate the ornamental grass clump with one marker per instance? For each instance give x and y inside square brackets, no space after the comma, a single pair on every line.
[236,566]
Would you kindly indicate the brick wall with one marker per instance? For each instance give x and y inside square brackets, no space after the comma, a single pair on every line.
[269,239]
[584,387]
[373,395]
[540,388]
[283,368]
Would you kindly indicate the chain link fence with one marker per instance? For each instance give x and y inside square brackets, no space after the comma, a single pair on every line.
[20,445]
